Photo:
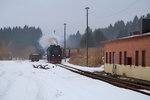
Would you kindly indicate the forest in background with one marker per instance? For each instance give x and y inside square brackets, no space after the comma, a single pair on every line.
[95,38]
[19,42]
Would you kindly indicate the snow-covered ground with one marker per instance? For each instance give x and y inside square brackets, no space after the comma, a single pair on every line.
[90,69]
[20,81]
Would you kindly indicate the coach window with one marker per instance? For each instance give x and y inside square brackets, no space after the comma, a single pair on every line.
[143,58]
[120,57]
[110,57]
[125,57]
[136,58]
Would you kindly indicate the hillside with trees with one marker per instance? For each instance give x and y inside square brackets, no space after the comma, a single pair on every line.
[74,40]
[20,42]
[121,29]
[118,30]
[98,36]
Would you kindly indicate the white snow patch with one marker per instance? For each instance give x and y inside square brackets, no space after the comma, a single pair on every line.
[90,69]
[20,81]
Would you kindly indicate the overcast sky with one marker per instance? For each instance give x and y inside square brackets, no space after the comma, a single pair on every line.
[50,15]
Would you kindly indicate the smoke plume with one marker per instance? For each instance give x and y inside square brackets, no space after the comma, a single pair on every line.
[48,40]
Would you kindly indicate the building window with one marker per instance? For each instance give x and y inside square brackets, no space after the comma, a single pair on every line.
[120,57]
[125,58]
[136,58]
[143,58]
[113,55]
[129,61]
[110,57]
[106,57]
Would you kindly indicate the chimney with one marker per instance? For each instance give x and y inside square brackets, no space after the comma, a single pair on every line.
[135,32]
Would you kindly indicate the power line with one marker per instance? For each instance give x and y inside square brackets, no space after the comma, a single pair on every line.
[121,11]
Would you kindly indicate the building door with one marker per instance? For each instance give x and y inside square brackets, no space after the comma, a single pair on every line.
[114,63]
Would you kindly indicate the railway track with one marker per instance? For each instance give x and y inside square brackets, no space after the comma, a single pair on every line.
[110,80]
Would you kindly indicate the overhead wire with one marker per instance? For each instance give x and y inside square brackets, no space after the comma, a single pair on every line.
[121,11]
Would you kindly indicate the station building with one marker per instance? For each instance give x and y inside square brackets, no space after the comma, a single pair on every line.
[129,56]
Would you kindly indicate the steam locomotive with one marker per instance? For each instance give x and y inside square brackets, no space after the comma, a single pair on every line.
[54,54]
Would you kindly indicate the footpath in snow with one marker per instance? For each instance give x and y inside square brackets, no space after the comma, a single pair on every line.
[20,81]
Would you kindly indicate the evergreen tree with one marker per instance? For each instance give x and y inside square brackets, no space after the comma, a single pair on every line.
[122,33]
[99,37]
[118,30]
[74,40]
[148,16]
[135,24]
[21,38]
[91,40]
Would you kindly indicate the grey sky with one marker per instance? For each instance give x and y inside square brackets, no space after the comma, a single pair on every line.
[50,15]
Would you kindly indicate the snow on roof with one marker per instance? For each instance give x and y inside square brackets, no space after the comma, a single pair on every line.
[138,35]
[132,36]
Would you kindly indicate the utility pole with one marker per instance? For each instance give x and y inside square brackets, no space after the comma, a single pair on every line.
[87,8]
[65,41]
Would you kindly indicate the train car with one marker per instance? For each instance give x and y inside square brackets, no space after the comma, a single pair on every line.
[66,54]
[35,57]
[54,54]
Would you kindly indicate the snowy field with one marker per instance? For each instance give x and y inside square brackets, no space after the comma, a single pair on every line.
[20,81]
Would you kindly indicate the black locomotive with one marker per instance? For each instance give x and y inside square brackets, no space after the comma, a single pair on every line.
[54,54]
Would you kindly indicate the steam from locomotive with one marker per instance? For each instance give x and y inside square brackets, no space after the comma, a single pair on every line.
[48,40]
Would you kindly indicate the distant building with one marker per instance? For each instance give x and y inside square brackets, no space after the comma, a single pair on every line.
[129,56]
